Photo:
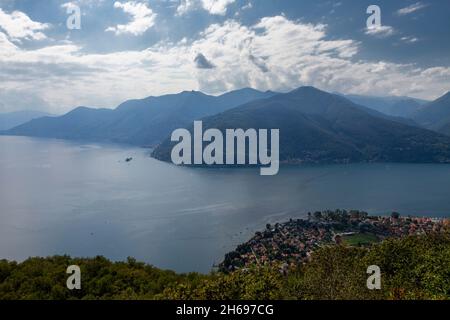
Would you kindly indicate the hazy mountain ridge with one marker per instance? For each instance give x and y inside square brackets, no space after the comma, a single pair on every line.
[10,120]
[403,107]
[316,126]
[140,122]
[435,115]
[445,129]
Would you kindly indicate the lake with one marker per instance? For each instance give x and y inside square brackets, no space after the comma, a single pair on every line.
[60,197]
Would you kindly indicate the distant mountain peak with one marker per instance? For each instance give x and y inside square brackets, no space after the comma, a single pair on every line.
[192,92]
[445,97]
[246,89]
[442,99]
[13,119]
[242,90]
[319,127]
[309,90]
[79,109]
[435,115]
[142,122]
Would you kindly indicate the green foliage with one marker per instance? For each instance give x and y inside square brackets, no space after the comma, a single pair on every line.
[360,239]
[334,272]
[257,283]
[45,278]
[416,267]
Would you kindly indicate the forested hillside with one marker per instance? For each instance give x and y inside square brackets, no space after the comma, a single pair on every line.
[415,267]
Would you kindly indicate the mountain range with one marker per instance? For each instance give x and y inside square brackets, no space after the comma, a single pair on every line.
[435,115]
[144,122]
[316,126]
[403,107]
[13,119]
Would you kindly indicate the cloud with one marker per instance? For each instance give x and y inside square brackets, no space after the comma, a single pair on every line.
[69,5]
[247,6]
[143,18]
[412,8]
[380,31]
[7,47]
[409,39]
[84,3]
[289,54]
[185,6]
[202,63]
[215,7]
[18,26]
[273,54]
[259,62]
[10,103]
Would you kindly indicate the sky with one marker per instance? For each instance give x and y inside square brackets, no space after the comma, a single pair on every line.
[134,49]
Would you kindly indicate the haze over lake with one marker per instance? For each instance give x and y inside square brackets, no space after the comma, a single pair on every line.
[59,197]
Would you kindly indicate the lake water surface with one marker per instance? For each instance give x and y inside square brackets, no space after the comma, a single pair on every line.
[59,197]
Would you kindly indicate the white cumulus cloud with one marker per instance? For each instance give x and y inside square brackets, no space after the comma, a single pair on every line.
[216,7]
[142,18]
[380,31]
[273,54]
[18,26]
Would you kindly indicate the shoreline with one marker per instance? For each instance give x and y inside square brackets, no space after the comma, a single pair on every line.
[291,243]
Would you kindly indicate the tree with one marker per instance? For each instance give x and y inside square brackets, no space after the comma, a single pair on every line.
[395,215]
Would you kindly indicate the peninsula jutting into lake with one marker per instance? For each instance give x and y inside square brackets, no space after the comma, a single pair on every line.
[293,242]
[323,257]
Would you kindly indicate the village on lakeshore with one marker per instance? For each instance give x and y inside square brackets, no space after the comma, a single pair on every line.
[293,242]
